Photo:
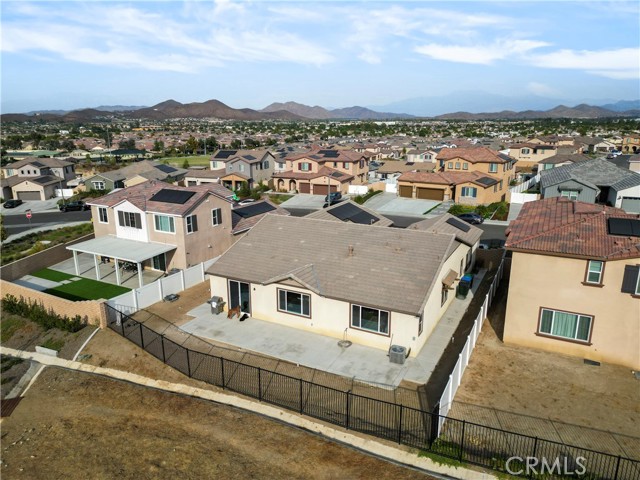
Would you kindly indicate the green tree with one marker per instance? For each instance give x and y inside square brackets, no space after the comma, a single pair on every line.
[3,232]
[192,145]
[236,144]
[127,144]
[185,164]
[158,146]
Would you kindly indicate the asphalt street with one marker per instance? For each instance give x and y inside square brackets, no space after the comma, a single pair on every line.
[16,223]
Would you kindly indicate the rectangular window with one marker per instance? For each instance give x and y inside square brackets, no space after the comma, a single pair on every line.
[594,272]
[129,219]
[345,165]
[163,223]
[265,165]
[501,184]
[214,164]
[526,151]
[102,214]
[294,302]
[304,166]
[469,192]
[493,168]
[444,295]
[98,185]
[572,326]
[570,194]
[457,165]
[371,319]
[420,325]
[465,166]
[192,223]
[335,164]
[241,168]
[450,165]
[216,216]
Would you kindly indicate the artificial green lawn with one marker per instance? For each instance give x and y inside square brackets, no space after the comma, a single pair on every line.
[199,160]
[83,289]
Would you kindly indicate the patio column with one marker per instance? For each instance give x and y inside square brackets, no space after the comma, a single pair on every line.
[117,271]
[95,261]
[140,274]
[75,262]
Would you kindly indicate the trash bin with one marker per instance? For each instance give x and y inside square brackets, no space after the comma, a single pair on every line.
[463,289]
[217,305]
[468,278]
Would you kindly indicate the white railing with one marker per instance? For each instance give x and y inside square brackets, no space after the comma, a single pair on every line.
[147,295]
[463,359]
[525,185]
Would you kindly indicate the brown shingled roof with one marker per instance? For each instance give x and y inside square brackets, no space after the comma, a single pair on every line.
[559,226]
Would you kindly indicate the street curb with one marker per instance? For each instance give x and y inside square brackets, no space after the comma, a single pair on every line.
[367,445]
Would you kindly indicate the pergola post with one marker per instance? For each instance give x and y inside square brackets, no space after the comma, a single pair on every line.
[117,271]
[140,274]
[95,261]
[75,262]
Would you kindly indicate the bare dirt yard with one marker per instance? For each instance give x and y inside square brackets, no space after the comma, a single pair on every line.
[548,395]
[74,425]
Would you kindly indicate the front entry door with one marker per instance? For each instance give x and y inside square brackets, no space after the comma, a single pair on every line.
[239,294]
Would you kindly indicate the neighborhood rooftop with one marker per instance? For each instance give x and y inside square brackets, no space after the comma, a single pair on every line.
[597,172]
[332,213]
[447,223]
[388,268]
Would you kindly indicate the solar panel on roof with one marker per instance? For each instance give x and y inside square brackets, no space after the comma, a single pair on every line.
[166,168]
[626,227]
[351,213]
[167,195]
[458,224]
[249,157]
[254,209]
[329,153]
[225,153]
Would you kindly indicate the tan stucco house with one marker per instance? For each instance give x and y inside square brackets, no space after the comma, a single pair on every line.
[574,286]
[154,225]
[375,286]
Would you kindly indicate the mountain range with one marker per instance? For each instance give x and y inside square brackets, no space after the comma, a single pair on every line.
[292,111]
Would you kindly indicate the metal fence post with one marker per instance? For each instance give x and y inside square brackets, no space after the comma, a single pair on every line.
[347,417]
[615,477]
[141,337]
[222,370]
[164,358]
[259,384]
[300,383]
[188,362]
[535,447]
[464,423]
[122,323]
[400,427]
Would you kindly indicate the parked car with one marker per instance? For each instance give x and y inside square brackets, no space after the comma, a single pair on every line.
[333,197]
[472,218]
[74,206]
[12,203]
[246,201]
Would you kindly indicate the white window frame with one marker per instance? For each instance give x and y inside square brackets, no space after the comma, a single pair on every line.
[172,224]
[638,284]
[570,194]
[95,184]
[101,211]
[364,329]
[526,151]
[465,166]
[597,272]
[466,190]
[285,307]
[493,168]
[305,166]
[216,217]
[580,317]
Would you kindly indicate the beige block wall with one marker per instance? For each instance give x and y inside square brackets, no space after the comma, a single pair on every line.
[555,282]
[94,311]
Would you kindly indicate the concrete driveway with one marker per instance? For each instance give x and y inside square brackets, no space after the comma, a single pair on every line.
[304,201]
[389,203]
[33,205]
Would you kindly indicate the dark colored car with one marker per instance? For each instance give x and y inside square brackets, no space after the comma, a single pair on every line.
[333,197]
[74,207]
[472,218]
[12,203]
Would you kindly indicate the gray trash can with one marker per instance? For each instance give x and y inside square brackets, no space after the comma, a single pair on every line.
[217,305]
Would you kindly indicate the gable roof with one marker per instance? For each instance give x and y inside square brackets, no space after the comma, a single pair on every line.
[330,154]
[598,172]
[39,162]
[43,180]
[474,155]
[241,222]
[559,226]
[398,166]
[449,178]
[140,195]
[249,156]
[340,261]
[322,172]
[566,157]
[220,172]
[325,214]
[447,223]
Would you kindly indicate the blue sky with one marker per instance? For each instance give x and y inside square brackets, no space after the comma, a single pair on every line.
[65,55]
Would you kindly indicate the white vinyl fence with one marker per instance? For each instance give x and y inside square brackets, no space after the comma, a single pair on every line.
[358,189]
[143,297]
[463,359]
[523,197]
[525,185]
[64,192]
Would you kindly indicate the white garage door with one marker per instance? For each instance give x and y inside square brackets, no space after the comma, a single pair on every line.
[631,204]
[29,195]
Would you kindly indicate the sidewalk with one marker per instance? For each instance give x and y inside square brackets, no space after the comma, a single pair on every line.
[366,444]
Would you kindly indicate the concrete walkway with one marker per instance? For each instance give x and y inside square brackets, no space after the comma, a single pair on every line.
[367,444]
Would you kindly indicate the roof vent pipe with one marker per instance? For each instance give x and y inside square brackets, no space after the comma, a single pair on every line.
[351,250]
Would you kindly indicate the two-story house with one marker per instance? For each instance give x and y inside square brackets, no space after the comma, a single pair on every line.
[37,178]
[250,166]
[158,226]
[322,168]
[631,144]
[574,285]
[530,154]
[416,155]
[133,174]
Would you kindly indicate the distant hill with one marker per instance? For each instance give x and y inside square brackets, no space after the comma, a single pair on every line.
[320,113]
[561,111]
[119,108]
[622,105]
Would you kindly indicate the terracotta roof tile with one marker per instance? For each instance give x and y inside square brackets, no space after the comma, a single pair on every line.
[474,155]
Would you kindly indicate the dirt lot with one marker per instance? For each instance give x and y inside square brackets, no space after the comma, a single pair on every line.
[76,426]
[521,389]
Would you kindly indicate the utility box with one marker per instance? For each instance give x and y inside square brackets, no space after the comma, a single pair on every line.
[397,354]
[217,305]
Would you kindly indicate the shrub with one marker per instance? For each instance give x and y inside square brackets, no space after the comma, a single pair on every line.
[360,199]
[37,313]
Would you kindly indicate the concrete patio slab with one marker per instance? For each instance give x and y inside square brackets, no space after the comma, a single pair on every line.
[35,283]
[391,204]
[304,201]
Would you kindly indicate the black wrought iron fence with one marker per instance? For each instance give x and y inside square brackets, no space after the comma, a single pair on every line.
[488,447]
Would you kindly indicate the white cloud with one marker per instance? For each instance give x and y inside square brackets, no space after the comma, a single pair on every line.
[622,63]
[479,54]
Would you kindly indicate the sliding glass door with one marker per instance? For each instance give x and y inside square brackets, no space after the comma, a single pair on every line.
[239,294]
